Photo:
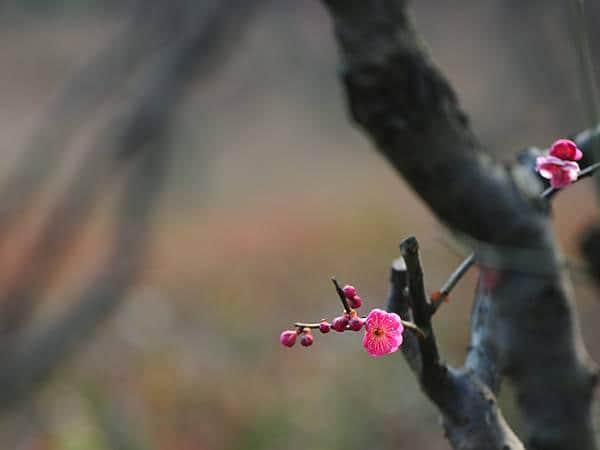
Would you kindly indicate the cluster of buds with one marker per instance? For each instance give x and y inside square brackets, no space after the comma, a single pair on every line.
[349,320]
[354,300]
[559,165]
[288,337]
[383,330]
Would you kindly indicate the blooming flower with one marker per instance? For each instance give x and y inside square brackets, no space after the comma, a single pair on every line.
[383,333]
[566,150]
[561,173]
[559,166]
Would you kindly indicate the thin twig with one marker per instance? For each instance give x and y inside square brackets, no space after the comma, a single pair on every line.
[452,281]
[405,323]
[341,295]
[585,173]
[589,85]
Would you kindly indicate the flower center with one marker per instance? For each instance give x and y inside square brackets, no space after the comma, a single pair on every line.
[378,332]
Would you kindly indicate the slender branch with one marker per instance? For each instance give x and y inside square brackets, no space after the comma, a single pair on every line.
[341,295]
[411,326]
[453,281]
[585,173]
[312,325]
[589,85]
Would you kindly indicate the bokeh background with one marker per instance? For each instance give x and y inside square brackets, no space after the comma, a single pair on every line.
[269,191]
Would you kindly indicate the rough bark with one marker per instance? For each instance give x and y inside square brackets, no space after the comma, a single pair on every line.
[470,414]
[524,325]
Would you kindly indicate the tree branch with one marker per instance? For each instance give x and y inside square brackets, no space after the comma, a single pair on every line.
[470,415]
[198,36]
[412,114]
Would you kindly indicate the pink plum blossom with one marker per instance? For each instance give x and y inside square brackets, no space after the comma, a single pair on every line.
[383,333]
[561,173]
[566,149]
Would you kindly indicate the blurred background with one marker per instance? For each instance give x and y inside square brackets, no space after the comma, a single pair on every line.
[180,179]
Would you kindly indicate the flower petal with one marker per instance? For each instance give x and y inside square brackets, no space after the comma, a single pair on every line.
[392,322]
[561,173]
[566,149]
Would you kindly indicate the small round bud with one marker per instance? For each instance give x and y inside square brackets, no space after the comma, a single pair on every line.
[349,291]
[356,323]
[288,338]
[355,302]
[436,296]
[339,323]
[324,326]
[306,339]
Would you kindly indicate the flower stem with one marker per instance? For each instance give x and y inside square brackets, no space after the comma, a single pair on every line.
[342,296]
[405,323]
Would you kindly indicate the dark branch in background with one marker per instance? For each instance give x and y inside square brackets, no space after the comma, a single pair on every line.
[172,43]
[590,247]
[524,325]
[30,359]
[590,243]
[585,67]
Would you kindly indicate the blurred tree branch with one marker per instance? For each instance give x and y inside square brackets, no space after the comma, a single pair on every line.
[524,327]
[166,45]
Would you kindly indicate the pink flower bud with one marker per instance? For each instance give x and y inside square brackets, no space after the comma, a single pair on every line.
[288,338]
[566,150]
[307,339]
[324,326]
[349,291]
[339,323]
[355,302]
[356,323]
